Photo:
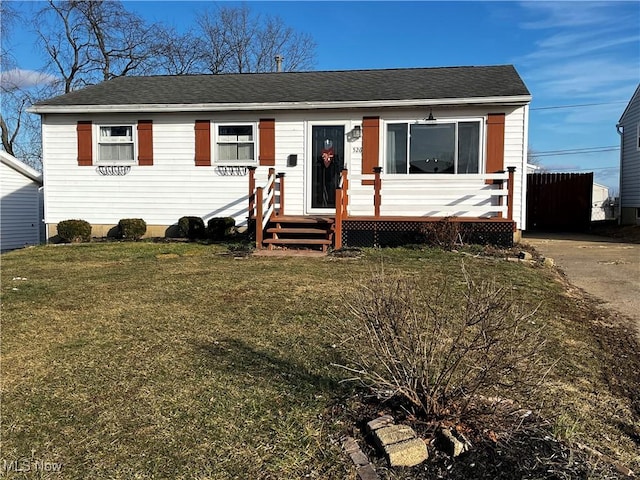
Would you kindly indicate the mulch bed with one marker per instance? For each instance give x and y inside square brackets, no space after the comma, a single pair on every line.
[508,443]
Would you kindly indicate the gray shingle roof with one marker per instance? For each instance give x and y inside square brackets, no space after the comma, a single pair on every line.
[315,86]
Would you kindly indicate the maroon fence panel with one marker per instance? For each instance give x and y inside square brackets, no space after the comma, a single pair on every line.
[559,202]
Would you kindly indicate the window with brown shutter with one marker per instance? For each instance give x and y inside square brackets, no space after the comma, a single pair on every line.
[85,143]
[267,129]
[145,142]
[203,143]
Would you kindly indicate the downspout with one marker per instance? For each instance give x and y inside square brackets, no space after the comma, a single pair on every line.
[621,133]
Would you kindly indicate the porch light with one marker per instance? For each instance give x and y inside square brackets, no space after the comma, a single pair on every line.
[430,118]
[356,132]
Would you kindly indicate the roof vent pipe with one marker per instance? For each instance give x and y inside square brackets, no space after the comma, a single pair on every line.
[279,59]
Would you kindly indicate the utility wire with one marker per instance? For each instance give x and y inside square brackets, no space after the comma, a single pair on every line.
[579,169]
[575,151]
[579,105]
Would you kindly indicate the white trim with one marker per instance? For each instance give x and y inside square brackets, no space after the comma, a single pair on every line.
[20,167]
[524,171]
[97,133]
[517,100]
[234,163]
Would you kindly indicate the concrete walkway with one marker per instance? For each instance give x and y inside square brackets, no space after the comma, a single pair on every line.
[603,267]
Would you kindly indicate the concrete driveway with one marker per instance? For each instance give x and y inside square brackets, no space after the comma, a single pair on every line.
[605,268]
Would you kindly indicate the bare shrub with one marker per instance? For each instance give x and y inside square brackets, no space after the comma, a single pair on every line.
[439,352]
[445,233]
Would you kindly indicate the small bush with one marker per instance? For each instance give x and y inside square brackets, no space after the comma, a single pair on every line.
[192,228]
[437,352]
[74,231]
[219,228]
[132,228]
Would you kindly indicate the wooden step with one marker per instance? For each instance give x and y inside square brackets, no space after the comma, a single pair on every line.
[301,231]
[297,241]
[302,219]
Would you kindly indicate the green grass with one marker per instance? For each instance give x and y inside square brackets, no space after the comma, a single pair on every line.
[143,360]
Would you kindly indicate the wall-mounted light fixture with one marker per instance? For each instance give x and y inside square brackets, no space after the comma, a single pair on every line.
[430,118]
[356,132]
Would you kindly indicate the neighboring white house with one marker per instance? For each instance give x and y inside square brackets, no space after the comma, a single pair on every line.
[163,147]
[601,204]
[20,205]
[629,130]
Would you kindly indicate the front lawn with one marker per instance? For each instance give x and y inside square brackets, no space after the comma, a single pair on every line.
[147,360]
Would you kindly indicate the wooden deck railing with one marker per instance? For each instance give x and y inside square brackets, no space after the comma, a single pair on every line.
[429,197]
[265,202]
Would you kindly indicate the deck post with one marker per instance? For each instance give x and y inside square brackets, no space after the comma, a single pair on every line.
[252,191]
[512,174]
[272,173]
[281,189]
[345,188]
[377,185]
[338,227]
[259,207]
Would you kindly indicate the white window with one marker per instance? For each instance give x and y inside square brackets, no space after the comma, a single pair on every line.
[115,144]
[235,144]
[449,146]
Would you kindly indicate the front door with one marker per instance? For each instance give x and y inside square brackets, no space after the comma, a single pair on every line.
[327,161]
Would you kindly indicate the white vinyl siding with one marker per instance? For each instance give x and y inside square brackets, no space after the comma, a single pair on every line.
[20,211]
[630,155]
[174,187]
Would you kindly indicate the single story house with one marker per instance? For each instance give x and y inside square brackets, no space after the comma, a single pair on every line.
[362,151]
[629,130]
[21,203]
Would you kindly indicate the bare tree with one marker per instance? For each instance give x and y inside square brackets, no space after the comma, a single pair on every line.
[8,18]
[179,54]
[19,131]
[236,41]
[90,41]
[534,159]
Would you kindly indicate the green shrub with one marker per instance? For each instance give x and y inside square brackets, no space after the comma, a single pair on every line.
[192,228]
[132,228]
[219,228]
[74,231]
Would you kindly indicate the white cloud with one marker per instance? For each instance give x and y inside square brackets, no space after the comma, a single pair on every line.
[569,14]
[22,79]
[584,51]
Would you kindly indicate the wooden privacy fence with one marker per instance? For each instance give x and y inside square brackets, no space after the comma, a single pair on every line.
[559,201]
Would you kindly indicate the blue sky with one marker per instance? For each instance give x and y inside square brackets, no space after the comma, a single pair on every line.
[568,53]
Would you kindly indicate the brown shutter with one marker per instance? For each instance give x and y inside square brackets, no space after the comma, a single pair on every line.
[495,143]
[267,129]
[203,143]
[85,143]
[370,146]
[145,142]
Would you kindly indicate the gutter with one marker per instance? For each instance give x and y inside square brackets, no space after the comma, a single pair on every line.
[518,100]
